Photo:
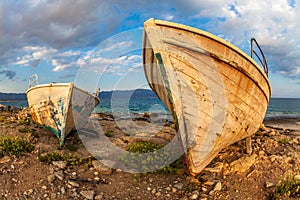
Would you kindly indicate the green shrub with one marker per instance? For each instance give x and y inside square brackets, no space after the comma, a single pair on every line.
[284,141]
[56,156]
[287,188]
[109,134]
[24,122]
[72,147]
[139,159]
[26,130]
[143,147]
[2,119]
[15,145]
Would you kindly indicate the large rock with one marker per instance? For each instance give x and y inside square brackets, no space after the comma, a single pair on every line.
[60,164]
[89,194]
[101,168]
[242,164]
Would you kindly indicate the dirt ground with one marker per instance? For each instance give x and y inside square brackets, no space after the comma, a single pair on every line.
[233,174]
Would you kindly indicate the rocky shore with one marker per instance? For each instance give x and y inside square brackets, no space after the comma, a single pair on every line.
[233,174]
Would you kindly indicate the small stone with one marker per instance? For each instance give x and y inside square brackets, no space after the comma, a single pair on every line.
[269,184]
[59,175]
[73,183]
[62,190]
[261,153]
[213,170]
[168,188]
[178,186]
[297,177]
[149,188]
[44,187]
[153,191]
[158,194]
[30,191]
[174,190]
[4,159]
[99,197]
[51,178]
[210,183]
[74,174]
[194,196]
[101,168]
[97,179]
[89,194]
[96,173]
[218,186]
[242,164]
[204,189]
[272,133]
[60,164]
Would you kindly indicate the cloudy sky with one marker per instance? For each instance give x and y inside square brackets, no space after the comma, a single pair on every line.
[56,38]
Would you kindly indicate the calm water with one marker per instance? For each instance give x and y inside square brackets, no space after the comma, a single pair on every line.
[284,107]
[278,107]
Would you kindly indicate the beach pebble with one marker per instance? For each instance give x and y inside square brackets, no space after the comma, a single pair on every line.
[194,196]
[89,194]
[60,164]
[101,168]
[73,183]
[242,164]
[4,159]
[59,175]
[218,186]
[51,178]
[178,186]
[99,197]
[269,184]
[158,194]
[62,190]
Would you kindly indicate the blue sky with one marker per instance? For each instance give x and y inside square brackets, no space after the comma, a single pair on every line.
[97,43]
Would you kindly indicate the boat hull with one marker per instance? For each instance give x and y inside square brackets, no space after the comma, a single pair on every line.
[51,106]
[216,93]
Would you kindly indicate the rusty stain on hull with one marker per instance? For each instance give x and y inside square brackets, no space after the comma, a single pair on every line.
[51,106]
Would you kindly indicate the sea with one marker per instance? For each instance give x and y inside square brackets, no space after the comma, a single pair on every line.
[128,107]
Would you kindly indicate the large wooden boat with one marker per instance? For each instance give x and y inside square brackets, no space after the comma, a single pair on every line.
[60,106]
[217,94]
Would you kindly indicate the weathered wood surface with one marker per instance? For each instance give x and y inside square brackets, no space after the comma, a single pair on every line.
[216,93]
[55,106]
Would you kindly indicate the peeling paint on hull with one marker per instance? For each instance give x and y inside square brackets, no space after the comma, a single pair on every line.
[51,106]
[216,93]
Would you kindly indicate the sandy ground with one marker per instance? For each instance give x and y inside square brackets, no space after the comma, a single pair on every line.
[233,174]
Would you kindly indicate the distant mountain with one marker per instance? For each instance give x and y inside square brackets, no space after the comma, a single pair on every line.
[138,93]
[12,96]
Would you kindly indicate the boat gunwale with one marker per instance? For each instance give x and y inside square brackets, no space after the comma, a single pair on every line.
[61,85]
[215,38]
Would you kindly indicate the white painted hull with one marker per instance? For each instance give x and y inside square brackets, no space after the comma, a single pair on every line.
[216,93]
[52,106]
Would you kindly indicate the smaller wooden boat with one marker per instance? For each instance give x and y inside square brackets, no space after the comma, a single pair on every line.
[216,93]
[59,106]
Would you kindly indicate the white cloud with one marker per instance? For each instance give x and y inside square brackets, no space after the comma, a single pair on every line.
[42,29]
[116,66]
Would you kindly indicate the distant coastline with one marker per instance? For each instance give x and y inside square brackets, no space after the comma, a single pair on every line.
[103,94]
[145,100]
[12,96]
